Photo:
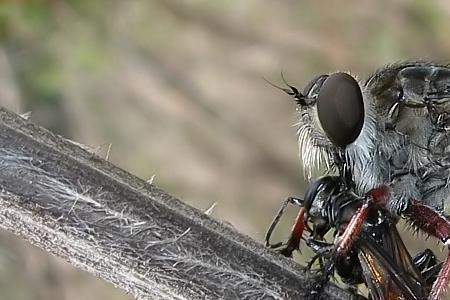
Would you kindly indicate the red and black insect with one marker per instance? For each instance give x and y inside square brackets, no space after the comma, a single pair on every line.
[377,257]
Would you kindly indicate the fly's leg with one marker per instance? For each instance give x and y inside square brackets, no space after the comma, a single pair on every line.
[376,198]
[345,241]
[325,250]
[354,228]
[321,249]
[435,224]
[293,242]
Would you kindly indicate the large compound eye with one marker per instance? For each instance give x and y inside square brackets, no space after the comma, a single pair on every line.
[340,108]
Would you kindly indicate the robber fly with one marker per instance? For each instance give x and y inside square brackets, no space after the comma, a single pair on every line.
[392,132]
[378,258]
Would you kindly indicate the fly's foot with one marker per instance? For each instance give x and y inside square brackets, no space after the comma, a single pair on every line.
[285,249]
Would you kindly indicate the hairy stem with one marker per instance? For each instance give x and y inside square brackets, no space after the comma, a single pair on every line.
[77,206]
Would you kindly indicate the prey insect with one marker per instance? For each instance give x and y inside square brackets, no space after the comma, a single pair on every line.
[378,258]
[392,132]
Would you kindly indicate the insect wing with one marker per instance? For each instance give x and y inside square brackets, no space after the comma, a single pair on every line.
[388,268]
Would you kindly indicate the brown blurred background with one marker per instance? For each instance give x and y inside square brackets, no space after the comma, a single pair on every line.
[176,87]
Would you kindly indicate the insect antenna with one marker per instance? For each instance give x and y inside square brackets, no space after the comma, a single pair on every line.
[291,90]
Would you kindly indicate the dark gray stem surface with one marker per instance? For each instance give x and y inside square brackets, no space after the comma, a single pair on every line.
[77,206]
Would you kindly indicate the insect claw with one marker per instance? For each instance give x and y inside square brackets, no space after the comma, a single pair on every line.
[273,246]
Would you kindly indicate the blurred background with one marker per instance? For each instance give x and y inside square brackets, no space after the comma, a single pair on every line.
[176,88]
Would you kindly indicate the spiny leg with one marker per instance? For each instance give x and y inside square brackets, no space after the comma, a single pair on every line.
[375,198]
[435,224]
[424,217]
